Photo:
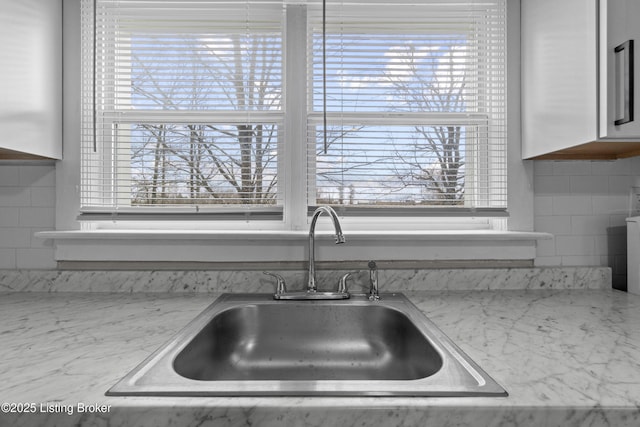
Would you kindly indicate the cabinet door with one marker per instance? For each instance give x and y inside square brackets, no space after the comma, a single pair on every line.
[619,69]
[559,75]
[31,78]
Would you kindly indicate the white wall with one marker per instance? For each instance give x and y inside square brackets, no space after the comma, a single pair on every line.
[27,205]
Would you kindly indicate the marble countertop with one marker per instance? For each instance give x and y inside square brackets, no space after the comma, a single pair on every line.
[566,357]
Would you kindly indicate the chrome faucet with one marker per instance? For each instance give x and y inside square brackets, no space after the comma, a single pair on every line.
[311,285]
[312,289]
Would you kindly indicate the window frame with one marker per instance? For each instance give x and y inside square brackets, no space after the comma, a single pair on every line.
[289,159]
[485,120]
[106,128]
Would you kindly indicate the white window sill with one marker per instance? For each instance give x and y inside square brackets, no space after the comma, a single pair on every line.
[279,246]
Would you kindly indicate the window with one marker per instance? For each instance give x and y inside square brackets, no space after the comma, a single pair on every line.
[415,100]
[185,106]
[216,108]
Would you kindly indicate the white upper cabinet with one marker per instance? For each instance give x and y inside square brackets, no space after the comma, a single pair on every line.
[619,36]
[31,79]
[578,73]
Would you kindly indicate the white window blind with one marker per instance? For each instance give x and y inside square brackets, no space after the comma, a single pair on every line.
[415,105]
[182,105]
[184,109]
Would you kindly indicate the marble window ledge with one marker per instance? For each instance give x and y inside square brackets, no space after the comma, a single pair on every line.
[290,246]
[413,235]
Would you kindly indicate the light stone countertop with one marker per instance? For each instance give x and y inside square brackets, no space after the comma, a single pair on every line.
[566,357]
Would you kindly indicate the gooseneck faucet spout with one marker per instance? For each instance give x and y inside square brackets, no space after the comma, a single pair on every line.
[312,286]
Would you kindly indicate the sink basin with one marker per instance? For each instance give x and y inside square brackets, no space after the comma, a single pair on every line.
[324,342]
[248,344]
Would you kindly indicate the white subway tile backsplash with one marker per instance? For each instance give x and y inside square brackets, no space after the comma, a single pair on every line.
[581,184]
[602,244]
[542,168]
[610,167]
[34,258]
[572,168]
[595,205]
[553,224]
[551,185]
[9,176]
[37,176]
[9,217]
[610,205]
[7,259]
[37,217]
[15,196]
[15,237]
[572,205]
[620,184]
[543,205]
[546,248]
[27,205]
[575,245]
[43,197]
[588,225]
[583,261]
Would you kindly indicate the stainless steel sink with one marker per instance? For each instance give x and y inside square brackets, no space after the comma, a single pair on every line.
[247,344]
[308,342]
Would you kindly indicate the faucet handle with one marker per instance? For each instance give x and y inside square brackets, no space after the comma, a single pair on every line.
[374,295]
[281,288]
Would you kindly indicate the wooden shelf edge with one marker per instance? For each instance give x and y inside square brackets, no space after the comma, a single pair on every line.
[597,150]
[6,154]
